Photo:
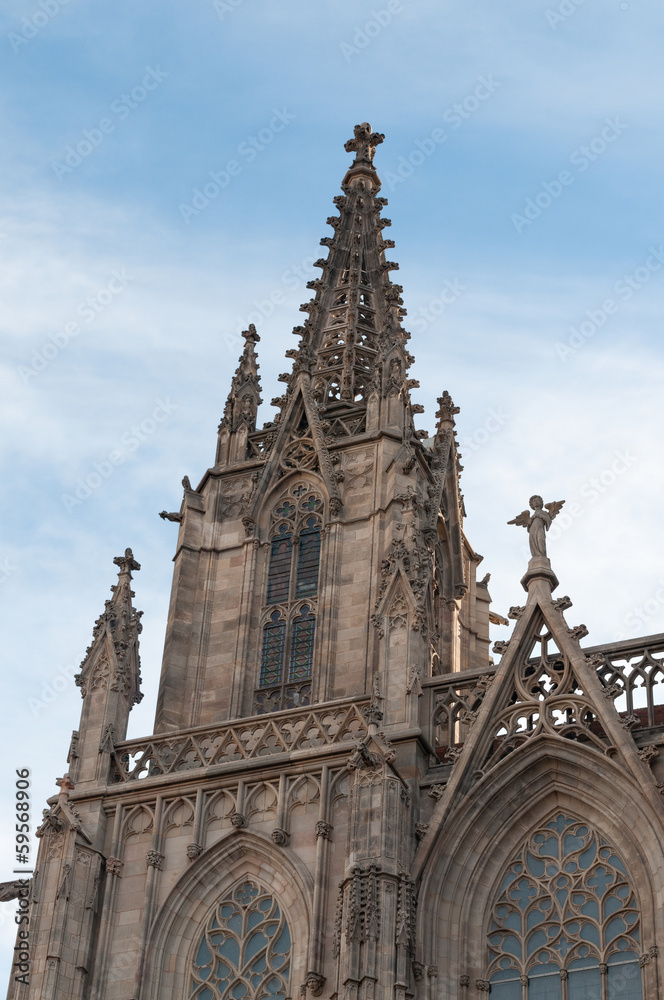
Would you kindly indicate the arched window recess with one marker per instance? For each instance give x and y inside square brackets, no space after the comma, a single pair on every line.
[245,950]
[289,609]
[565,923]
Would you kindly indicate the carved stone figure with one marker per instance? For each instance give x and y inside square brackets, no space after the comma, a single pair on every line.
[538,523]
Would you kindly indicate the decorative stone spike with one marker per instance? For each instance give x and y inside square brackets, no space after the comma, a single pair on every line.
[244,398]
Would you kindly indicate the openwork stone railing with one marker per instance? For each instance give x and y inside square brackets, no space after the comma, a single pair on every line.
[262,736]
[632,672]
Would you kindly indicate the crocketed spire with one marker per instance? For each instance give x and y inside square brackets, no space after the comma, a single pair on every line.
[353,343]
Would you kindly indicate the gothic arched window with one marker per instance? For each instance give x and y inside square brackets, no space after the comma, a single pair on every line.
[289,614]
[565,924]
[245,950]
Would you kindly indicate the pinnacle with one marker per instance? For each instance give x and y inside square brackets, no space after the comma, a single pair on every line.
[119,622]
[244,398]
[352,343]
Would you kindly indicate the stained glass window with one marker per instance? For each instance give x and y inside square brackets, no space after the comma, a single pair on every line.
[274,644]
[302,646]
[566,915]
[308,559]
[287,651]
[278,581]
[245,950]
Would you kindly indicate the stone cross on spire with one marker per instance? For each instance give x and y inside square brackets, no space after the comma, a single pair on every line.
[127,563]
[364,143]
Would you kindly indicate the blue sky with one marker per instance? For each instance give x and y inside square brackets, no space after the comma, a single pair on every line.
[155,97]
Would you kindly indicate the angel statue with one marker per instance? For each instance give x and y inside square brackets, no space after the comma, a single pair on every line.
[538,523]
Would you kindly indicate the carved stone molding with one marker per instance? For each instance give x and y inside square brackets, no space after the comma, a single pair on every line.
[154,859]
[324,830]
[65,882]
[114,866]
[648,754]
[107,741]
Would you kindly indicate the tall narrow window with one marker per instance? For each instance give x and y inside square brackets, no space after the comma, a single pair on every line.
[274,644]
[289,629]
[245,950]
[281,552]
[308,559]
[302,646]
[565,924]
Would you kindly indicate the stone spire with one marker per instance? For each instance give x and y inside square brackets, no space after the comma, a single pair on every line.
[110,676]
[353,344]
[239,419]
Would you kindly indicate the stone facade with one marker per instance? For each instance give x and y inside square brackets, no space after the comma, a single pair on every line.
[343,795]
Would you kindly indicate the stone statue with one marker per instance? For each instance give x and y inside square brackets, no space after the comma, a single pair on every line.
[538,523]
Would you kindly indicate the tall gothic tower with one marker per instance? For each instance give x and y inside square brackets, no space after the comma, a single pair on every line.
[343,795]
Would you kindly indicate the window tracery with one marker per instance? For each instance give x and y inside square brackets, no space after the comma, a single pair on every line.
[289,616]
[565,924]
[245,950]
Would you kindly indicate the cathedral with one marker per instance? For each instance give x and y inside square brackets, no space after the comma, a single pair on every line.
[348,793]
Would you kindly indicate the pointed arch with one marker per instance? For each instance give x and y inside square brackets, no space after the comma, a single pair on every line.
[462,875]
[182,918]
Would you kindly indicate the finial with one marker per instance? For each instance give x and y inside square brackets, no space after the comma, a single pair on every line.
[127,563]
[250,335]
[538,523]
[447,409]
[363,144]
